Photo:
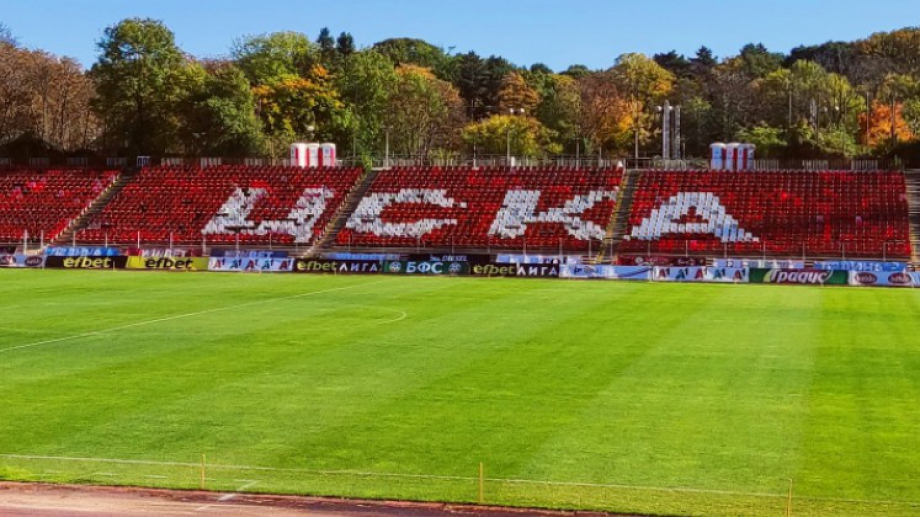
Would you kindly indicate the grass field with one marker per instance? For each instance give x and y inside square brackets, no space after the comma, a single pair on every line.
[647,398]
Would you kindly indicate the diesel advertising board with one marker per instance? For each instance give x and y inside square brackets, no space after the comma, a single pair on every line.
[410,267]
[627,260]
[516,270]
[338,267]
[169,263]
[86,262]
[799,276]
[34,261]
[470,259]
[881,279]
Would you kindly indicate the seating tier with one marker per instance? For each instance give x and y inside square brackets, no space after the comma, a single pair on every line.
[783,213]
[484,208]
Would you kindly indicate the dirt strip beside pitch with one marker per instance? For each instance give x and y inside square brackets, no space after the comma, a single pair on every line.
[45,500]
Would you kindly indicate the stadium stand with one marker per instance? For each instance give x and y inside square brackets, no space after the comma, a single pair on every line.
[484,208]
[257,205]
[44,202]
[783,213]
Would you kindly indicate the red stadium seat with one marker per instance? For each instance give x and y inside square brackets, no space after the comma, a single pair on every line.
[45,202]
[782,213]
[258,205]
[484,208]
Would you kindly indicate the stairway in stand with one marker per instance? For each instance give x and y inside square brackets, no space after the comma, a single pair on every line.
[344,212]
[912,178]
[620,221]
[66,238]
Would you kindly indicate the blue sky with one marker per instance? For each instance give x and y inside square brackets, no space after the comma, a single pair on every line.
[558,33]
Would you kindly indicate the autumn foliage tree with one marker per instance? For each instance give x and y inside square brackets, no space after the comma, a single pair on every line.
[886,126]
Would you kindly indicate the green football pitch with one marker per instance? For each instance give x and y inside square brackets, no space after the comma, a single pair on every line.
[628,397]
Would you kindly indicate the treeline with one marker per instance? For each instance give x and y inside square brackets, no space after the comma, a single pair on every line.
[145,96]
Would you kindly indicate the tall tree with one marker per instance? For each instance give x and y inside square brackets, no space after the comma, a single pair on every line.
[366,85]
[516,94]
[646,84]
[274,57]
[410,51]
[140,79]
[345,44]
[220,114]
[521,136]
[299,108]
[423,113]
[326,44]
[900,49]
[560,109]
[675,63]
[758,61]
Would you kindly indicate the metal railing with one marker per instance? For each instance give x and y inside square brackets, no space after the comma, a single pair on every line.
[458,160]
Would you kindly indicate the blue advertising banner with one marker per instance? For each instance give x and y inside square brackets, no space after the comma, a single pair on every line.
[90,251]
[862,265]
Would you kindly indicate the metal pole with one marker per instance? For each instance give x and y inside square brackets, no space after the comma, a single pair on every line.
[677,139]
[666,131]
[508,148]
[577,154]
[386,161]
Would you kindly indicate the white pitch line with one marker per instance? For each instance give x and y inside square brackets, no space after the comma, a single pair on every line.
[227,497]
[178,317]
[403,315]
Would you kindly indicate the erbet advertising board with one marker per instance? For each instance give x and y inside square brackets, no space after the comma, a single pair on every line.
[86,262]
[337,267]
[516,270]
[169,263]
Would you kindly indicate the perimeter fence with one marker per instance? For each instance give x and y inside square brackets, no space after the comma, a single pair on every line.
[784,497]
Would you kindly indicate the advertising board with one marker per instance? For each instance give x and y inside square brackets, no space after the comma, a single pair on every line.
[169,263]
[251,265]
[799,276]
[338,267]
[86,262]
[22,261]
[411,267]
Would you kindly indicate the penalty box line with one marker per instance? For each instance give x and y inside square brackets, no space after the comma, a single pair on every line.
[179,317]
